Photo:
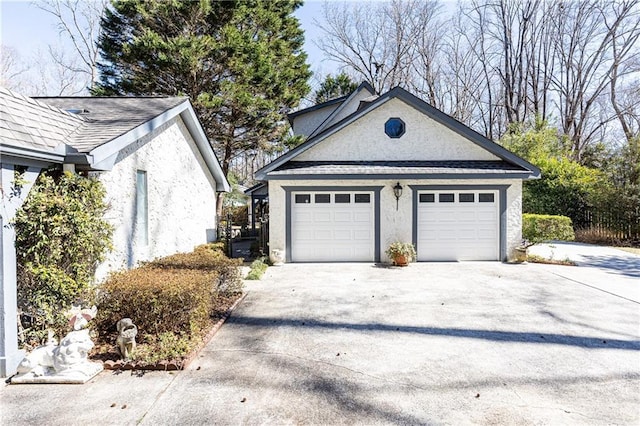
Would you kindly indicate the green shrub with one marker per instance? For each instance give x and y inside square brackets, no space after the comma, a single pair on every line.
[258,268]
[206,257]
[537,228]
[177,301]
[61,237]
[164,346]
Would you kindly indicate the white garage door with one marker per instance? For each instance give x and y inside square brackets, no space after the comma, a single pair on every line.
[332,226]
[458,225]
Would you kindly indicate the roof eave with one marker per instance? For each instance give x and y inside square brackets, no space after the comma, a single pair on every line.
[524,175]
[100,158]
[17,153]
[193,124]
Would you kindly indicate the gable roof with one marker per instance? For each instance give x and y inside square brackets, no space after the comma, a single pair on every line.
[292,115]
[34,130]
[341,102]
[527,170]
[107,118]
[112,123]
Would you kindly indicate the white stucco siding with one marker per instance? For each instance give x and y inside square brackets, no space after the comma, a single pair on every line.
[425,139]
[181,198]
[349,107]
[395,225]
[305,124]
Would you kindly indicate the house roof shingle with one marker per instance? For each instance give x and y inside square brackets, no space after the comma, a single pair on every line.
[28,123]
[396,168]
[106,118]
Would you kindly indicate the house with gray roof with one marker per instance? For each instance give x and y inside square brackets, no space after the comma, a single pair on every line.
[375,169]
[160,174]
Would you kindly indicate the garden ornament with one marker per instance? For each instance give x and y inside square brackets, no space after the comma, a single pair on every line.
[126,340]
[64,363]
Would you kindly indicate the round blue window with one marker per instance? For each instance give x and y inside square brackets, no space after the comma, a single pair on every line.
[394,127]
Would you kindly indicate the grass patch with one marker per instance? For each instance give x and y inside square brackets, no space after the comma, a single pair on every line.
[534,258]
[258,268]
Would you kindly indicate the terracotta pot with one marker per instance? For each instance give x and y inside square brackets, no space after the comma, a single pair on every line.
[400,260]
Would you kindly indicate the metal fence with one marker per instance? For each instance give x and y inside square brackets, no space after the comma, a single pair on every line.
[613,223]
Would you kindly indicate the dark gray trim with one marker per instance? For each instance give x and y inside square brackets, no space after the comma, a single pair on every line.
[313,137]
[523,175]
[335,112]
[421,106]
[502,194]
[255,187]
[376,211]
[295,114]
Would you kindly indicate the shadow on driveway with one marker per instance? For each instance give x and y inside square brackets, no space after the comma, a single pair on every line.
[500,336]
[623,265]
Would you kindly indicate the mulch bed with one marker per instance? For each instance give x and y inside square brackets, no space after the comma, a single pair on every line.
[107,354]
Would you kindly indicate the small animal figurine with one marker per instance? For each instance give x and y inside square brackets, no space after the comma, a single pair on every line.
[126,340]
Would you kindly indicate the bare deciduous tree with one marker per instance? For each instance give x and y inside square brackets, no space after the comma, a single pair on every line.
[497,62]
[376,41]
[586,36]
[12,67]
[79,22]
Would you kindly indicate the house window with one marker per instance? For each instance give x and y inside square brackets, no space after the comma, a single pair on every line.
[427,198]
[303,198]
[466,198]
[323,198]
[142,208]
[486,198]
[446,198]
[343,198]
[394,128]
[362,198]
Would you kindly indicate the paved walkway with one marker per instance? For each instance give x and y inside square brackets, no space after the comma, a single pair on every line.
[433,343]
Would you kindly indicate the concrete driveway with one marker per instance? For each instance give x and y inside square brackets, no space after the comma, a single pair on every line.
[434,343]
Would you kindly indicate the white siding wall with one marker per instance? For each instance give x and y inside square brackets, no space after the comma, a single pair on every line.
[394,225]
[305,124]
[425,139]
[181,198]
[350,107]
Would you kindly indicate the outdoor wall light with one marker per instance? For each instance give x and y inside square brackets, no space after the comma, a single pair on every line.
[397,191]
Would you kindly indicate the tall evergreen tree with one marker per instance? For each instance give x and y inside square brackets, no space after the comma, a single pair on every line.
[334,87]
[241,63]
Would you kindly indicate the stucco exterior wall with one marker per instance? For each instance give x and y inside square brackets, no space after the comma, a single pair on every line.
[394,225]
[305,124]
[350,107]
[181,198]
[425,139]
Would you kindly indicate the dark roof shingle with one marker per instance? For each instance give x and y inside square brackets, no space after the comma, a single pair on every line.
[396,168]
[106,118]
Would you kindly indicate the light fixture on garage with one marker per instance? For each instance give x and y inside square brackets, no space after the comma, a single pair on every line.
[397,191]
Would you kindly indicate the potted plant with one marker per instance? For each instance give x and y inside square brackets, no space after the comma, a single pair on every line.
[401,253]
[521,252]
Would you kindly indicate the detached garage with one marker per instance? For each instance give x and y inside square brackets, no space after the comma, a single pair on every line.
[378,169]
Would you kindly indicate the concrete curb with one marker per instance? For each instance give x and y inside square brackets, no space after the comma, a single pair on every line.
[173,365]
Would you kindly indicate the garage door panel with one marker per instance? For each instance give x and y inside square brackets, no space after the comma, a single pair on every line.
[467,230]
[332,231]
[362,235]
[343,217]
[364,217]
[325,235]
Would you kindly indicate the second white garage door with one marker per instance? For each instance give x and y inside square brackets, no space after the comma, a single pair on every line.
[458,225]
[332,226]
